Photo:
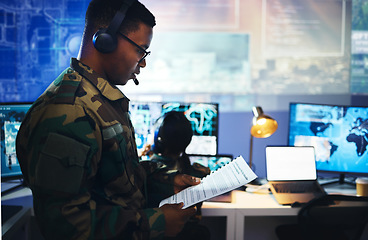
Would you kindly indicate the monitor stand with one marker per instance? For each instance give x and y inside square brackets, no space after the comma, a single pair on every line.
[340,181]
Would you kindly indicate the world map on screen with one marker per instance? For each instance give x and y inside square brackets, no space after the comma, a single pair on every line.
[339,135]
[358,134]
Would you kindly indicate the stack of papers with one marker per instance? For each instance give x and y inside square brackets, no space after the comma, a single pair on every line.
[229,177]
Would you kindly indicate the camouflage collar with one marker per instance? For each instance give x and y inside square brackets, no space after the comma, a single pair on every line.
[108,90]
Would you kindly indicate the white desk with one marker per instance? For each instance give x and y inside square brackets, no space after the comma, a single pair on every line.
[245,205]
[255,216]
[248,216]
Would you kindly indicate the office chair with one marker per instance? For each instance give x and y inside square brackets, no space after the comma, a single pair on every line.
[337,217]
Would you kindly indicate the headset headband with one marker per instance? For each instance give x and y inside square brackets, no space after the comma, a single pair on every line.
[112,29]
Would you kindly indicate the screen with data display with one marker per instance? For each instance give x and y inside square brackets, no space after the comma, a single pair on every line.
[339,135]
[11,117]
[202,116]
[234,52]
[204,120]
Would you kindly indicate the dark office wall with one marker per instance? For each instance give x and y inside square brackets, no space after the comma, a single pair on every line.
[234,136]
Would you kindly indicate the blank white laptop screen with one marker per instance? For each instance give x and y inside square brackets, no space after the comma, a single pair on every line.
[285,163]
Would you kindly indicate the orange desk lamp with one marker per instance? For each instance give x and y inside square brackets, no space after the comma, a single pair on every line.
[263,126]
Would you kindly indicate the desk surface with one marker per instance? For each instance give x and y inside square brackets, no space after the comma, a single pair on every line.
[250,204]
[258,203]
[261,201]
[240,199]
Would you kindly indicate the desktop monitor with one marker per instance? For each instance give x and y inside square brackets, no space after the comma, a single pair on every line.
[204,120]
[338,133]
[213,162]
[143,116]
[11,116]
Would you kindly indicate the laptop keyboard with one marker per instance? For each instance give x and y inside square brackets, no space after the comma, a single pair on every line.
[295,187]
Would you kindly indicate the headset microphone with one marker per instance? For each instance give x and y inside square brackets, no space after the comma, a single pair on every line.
[135,81]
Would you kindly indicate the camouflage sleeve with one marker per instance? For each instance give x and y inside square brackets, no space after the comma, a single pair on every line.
[159,183]
[60,155]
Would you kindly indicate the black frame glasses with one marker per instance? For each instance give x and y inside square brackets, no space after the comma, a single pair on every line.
[140,48]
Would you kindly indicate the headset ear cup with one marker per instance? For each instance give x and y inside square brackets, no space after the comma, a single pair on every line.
[158,141]
[104,42]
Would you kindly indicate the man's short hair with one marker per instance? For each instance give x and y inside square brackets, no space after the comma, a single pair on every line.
[101,12]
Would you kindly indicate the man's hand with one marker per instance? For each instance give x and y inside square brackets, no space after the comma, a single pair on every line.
[175,217]
[182,181]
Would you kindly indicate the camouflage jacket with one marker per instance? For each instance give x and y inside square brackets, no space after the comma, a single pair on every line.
[77,152]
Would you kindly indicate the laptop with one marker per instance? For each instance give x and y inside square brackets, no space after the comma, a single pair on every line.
[213,162]
[292,175]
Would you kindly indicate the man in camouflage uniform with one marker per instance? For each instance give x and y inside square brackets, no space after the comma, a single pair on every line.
[76,145]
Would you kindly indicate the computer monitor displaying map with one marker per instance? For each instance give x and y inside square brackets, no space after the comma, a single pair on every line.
[338,133]
[204,120]
[11,116]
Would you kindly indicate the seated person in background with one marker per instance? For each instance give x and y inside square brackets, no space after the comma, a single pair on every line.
[172,137]
[168,154]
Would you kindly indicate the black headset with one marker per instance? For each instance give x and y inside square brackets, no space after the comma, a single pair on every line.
[105,40]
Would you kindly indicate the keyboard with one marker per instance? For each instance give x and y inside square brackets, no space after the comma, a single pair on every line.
[296,187]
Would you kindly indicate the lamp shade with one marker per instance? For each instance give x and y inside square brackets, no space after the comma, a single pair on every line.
[263,126]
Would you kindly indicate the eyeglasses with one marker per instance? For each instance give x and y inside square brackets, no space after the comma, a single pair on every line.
[143,52]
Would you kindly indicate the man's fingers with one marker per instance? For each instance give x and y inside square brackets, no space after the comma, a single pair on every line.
[190,211]
[191,180]
[182,181]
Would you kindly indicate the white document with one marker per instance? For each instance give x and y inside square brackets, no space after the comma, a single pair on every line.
[229,177]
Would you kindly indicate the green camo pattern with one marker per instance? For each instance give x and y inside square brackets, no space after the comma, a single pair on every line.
[77,153]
